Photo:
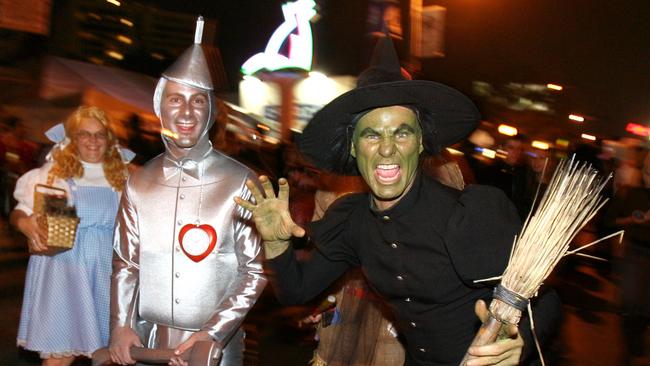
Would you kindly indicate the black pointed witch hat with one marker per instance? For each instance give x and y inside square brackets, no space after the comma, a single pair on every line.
[446,115]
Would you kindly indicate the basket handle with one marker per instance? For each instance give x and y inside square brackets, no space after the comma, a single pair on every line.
[50,188]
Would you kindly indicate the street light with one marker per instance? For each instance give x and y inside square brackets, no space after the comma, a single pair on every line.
[589,137]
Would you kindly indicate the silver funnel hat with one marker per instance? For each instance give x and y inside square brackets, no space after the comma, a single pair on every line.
[190,69]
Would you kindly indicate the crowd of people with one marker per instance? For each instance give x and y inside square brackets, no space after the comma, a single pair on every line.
[169,251]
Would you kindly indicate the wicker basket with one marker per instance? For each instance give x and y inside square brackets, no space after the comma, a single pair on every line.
[55,218]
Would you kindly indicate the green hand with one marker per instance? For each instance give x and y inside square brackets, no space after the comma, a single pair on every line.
[270,213]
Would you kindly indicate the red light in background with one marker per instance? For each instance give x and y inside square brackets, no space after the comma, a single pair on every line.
[637,129]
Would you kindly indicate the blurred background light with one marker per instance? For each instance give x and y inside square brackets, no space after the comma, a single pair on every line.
[554,87]
[157,56]
[507,130]
[637,129]
[489,153]
[577,118]
[126,22]
[317,75]
[562,143]
[540,145]
[453,151]
[124,39]
[168,133]
[116,55]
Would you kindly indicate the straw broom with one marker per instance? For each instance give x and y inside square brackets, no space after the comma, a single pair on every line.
[570,202]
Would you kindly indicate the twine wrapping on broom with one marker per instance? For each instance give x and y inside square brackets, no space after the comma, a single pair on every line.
[571,200]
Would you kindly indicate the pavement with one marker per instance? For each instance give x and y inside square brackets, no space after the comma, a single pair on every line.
[591,330]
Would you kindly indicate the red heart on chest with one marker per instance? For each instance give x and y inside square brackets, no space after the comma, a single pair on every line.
[197,241]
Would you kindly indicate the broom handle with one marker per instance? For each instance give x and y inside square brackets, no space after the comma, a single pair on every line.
[487,334]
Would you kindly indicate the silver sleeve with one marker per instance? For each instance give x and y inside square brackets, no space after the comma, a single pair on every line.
[126,268]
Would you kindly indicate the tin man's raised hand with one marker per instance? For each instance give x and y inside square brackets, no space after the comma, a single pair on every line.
[271,215]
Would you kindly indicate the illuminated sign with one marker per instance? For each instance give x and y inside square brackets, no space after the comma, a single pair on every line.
[302,112]
[264,98]
[296,17]
[637,129]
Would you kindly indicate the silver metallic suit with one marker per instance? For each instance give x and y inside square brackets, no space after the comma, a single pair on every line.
[157,289]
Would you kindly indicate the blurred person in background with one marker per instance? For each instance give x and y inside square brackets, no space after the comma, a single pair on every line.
[18,155]
[187,261]
[450,170]
[65,310]
[630,210]
[627,173]
[510,174]
[594,229]
[307,181]
[142,142]
[541,165]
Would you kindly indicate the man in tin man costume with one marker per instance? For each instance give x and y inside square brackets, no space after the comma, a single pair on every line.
[187,264]
[420,244]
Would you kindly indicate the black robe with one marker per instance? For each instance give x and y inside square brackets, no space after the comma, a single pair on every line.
[422,256]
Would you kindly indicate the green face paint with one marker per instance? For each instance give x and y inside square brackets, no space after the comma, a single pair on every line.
[387,143]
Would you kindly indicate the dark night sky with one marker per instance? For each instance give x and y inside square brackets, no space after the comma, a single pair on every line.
[599,50]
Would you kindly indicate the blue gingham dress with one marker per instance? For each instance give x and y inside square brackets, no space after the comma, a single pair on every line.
[67,296]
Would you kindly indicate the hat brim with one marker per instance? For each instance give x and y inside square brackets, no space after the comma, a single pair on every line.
[325,141]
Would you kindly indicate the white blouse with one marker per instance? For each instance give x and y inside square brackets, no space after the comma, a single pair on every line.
[24,192]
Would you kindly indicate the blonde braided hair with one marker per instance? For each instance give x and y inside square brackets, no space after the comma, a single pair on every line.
[67,163]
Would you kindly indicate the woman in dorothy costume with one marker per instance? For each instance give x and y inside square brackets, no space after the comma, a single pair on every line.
[65,310]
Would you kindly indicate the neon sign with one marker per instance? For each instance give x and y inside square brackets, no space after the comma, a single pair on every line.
[296,17]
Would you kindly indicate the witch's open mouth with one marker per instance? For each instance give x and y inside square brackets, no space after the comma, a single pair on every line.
[388,173]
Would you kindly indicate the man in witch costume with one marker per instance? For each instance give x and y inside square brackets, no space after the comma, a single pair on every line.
[420,244]
[186,264]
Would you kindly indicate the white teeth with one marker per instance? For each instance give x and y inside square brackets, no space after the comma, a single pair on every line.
[387,166]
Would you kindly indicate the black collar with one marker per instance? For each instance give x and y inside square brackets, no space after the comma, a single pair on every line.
[404,204]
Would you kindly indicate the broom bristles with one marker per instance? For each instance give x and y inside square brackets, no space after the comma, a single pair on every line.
[570,201]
